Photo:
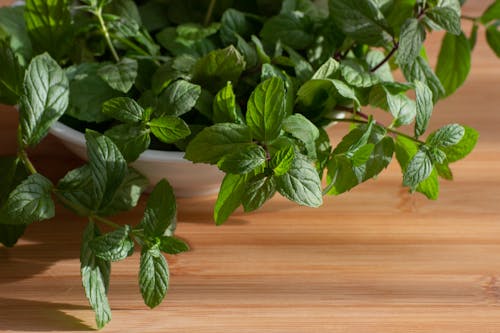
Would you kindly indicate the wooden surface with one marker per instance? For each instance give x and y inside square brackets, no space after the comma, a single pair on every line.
[374,260]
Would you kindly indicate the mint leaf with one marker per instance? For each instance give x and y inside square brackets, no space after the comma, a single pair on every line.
[304,130]
[290,28]
[411,39]
[161,210]
[120,76]
[124,109]
[341,175]
[179,98]
[77,187]
[13,23]
[169,129]
[356,75]
[234,22]
[213,142]
[48,23]
[266,109]
[113,246]
[172,245]
[447,18]
[282,160]
[327,70]
[493,38]
[258,190]
[419,70]
[95,277]
[131,139]
[243,161]
[107,167]
[45,99]
[402,108]
[29,202]
[454,62]
[10,233]
[301,184]
[153,276]
[446,136]
[424,107]
[361,20]
[492,13]
[231,192]
[218,67]
[11,76]
[224,106]
[418,169]
[462,148]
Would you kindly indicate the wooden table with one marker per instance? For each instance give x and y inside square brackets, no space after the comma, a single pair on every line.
[374,260]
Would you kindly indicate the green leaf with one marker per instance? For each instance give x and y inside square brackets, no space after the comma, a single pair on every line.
[126,9]
[463,147]
[224,106]
[11,76]
[124,109]
[219,66]
[172,245]
[153,277]
[77,187]
[327,70]
[419,70]
[380,158]
[13,23]
[131,139]
[258,190]
[45,99]
[113,246]
[361,20]
[108,168]
[446,18]
[418,169]
[424,107]
[356,75]
[48,23]
[230,196]
[88,92]
[169,129]
[492,13]
[243,161]
[95,277]
[402,108]
[301,184]
[282,160]
[430,186]
[446,136]
[234,22]
[29,202]
[213,142]
[341,175]
[454,62]
[493,38]
[179,98]
[290,28]
[304,130]
[120,76]
[266,109]
[161,210]
[410,41]
[10,234]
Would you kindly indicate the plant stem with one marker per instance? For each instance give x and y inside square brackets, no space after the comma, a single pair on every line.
[386,59]
[210,10]
[27,162]
[469,18]
[106,221]
[105,32]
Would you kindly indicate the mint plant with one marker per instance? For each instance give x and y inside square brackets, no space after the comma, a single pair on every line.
[247,86]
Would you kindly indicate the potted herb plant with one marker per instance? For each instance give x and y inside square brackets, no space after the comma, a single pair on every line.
[247,87]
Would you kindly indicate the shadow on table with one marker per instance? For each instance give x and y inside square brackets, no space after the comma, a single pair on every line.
[27,315]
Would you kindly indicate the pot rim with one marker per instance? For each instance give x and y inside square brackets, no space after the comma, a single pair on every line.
[73,136]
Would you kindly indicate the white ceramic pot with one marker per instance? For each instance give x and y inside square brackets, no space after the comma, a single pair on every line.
[187,179]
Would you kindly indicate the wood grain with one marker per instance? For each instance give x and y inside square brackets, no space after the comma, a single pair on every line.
[374,260]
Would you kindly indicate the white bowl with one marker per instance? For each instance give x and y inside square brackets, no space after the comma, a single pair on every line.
[187,179]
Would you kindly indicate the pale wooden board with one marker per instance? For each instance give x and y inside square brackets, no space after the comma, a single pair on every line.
[374,260]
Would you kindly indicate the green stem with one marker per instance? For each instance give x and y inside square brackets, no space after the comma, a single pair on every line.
[133,46]
[210,10]
[26,161]
[470,18]
[105,32]
[106,221]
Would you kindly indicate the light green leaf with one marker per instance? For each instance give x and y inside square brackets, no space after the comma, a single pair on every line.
[454,62]
[301,184]
[95,277]
[172,245]
[446,18]
[124,109]
[410,41]
[230,196]
[153,277]
[341,175]
[266,109]
[327,70]
[424,107]
[224,106]
[258,190]
[464,147]
[179,98]
[493,38]
[492,13]
[402,108]
[120,76]
[419,168]
[161,210]
[446,136]
[213,142]
[304,130]
[169,129]
[243,161]
[45,99]
[282,160]
[113,246]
